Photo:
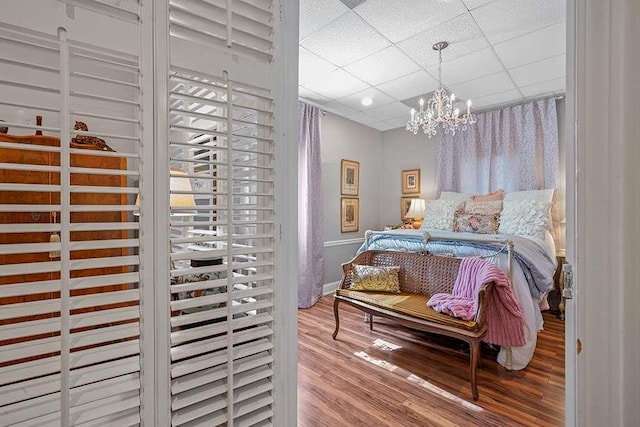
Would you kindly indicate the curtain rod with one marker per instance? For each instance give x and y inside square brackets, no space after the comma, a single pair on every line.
[313,104]
[519,102]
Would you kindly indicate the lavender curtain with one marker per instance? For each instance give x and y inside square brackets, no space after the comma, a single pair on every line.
[515,149]
[310,207]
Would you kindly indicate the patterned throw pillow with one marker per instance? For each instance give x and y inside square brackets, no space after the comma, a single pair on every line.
[483,208]
[370,278]
[439,214]
[476,223]
[525,218]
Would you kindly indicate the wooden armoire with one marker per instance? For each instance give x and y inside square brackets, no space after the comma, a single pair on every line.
[24,223]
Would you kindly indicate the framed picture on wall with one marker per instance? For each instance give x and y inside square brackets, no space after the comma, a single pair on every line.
[349,214]
[349,177]
[405,203]
[411,181]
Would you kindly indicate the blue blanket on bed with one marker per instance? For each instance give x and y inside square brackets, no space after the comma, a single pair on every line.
[534,259]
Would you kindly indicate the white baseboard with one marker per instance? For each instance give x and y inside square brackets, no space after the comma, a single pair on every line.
[330,288]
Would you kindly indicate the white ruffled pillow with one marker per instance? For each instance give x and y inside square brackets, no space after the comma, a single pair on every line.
[439,214]
[525,218]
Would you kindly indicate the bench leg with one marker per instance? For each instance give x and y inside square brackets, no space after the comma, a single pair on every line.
[335,313]
[475,360]
[371,322]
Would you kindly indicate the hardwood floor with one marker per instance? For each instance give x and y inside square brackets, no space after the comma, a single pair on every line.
[387,377]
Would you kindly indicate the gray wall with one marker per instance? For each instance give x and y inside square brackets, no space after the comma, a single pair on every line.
[344,139]
[404,150]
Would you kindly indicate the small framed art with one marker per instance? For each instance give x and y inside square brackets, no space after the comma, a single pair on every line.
[349,177]
[410,181]
[349,214]
[405,203]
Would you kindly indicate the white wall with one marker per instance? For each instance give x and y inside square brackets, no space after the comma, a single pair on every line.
[404,150]
[344,139]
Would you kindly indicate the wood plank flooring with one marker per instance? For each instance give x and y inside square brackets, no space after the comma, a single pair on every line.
[388,377]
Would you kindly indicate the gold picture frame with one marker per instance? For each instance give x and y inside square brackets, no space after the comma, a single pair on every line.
[349,214]
[349,177]
[405,203]
[411,181]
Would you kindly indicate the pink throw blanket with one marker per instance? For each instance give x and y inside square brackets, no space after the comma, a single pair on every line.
[505,321]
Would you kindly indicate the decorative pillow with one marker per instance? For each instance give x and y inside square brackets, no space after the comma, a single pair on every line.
[370,278]
[452,196]
[525,217]
[489,197]
[545,196]
[483,208]
[476,223]
[439,214]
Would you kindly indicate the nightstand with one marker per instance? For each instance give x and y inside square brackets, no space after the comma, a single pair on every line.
[556,305]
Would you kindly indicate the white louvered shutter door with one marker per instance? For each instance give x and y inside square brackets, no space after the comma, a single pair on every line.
[221,140]
[70,310]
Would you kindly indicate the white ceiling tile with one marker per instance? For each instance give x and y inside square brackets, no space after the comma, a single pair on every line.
[345,40]
[312,96]
[311,67]
[502,20]
[544,88]
[468,67]
[316,14]
[339,109]
[390,111]
[335,84]
[540,44]
[382,66]
[363,118]
[381,126]
[399,122]
[355,99]
[486,102]
[399,19]
[463,36]
[473,89]
[473,4]
[414,84]
[541,71]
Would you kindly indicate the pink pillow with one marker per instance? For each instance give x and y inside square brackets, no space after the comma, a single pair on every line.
[489,197]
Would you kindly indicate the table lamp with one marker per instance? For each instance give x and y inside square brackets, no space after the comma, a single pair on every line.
[416,211]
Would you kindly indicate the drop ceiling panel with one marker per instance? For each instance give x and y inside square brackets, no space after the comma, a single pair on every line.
[400,19]
[339,109]
[355,100]
[484,86]
[534,46]
[411,85]
[473,4]
[468,67]
[462,33]
[387,64]
[544,88]
[507,97]
[312,67]
[400,122]
[390,111]
[335,84]
[502,20]
[345,40]
[363,118]
[541,71]
[312,96]
[381,126]
[316,14]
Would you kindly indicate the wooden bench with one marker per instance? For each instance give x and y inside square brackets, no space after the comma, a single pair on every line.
[421,275]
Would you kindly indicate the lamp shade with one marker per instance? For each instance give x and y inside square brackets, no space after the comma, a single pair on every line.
[182,202]
[417,209]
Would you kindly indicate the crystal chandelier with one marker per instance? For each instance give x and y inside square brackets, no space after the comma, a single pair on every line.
[440,108]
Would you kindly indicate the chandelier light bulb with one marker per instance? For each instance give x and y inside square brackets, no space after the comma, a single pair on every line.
[440,109]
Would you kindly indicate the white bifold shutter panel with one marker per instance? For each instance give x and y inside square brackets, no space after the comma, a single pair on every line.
[221,164]
[69,265]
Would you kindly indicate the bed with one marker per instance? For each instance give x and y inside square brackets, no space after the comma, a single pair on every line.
[528,259]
